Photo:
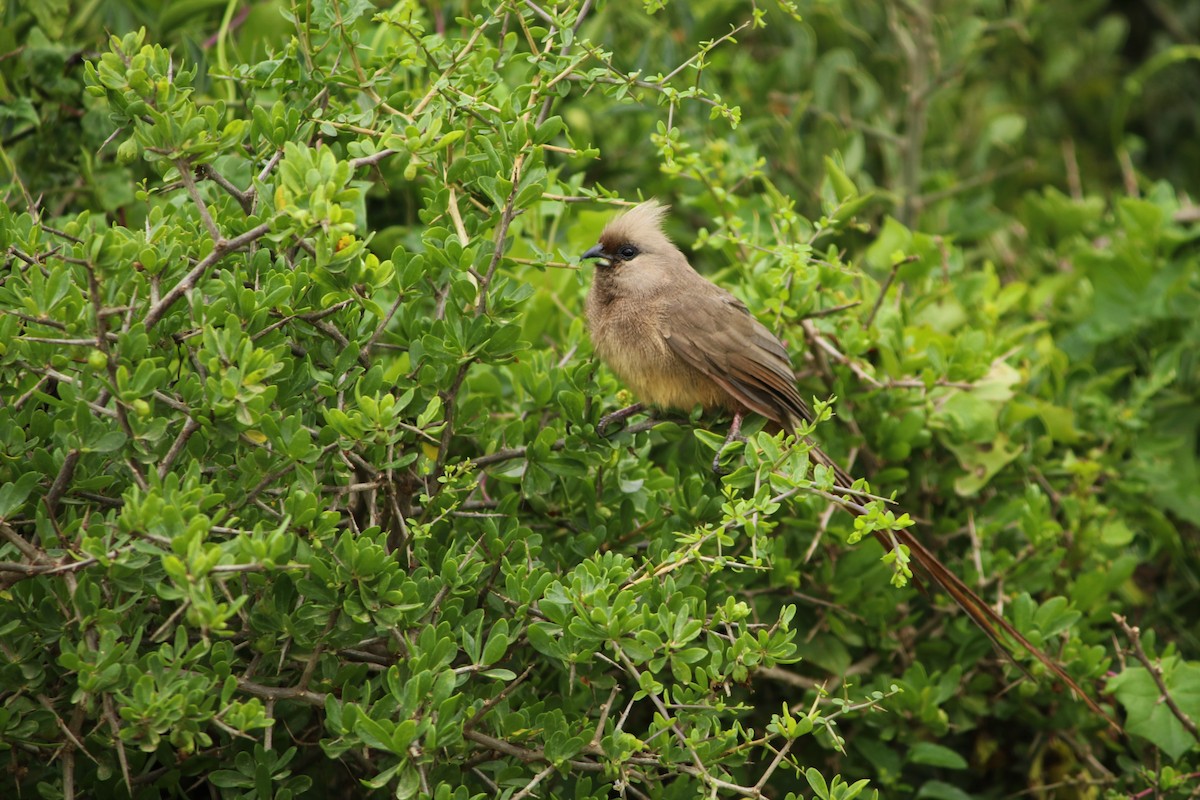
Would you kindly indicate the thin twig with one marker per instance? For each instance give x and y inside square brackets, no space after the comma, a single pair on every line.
[883,290]
[529,787]
[1135,639]
[189,183]
[189,427]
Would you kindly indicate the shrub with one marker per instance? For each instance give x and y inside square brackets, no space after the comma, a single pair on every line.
[301,489]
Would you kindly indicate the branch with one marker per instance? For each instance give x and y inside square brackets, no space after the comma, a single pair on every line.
[244,199]
[221,248]
[281,693]
[189,182]
[65,474]
[189,427]
[373,159]
[519,452]
[1135,638]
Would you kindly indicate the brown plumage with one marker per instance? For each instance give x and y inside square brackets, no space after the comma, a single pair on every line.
[678,340]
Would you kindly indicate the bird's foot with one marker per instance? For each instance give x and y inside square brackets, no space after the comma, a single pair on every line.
[618,416]
[734,435]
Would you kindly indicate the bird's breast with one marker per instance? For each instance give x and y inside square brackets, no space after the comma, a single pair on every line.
[628,338]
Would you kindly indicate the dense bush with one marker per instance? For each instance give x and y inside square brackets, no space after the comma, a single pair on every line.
[301,488]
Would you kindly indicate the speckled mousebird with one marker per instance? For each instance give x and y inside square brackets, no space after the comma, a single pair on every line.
[678,340]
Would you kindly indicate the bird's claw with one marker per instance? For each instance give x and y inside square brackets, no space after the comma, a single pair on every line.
[734,435]
[620,415]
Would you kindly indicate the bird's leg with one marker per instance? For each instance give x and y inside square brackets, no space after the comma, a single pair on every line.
[735,434]
[619,415]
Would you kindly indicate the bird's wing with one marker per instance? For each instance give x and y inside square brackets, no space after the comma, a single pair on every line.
[713,331]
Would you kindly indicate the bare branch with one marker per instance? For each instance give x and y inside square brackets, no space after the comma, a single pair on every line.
[189,183]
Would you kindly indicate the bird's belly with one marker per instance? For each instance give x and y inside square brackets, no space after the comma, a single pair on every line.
[646,364]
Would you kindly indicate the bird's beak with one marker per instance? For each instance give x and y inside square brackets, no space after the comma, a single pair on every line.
[596,252]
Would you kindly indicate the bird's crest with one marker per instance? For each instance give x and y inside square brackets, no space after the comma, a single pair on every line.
[641,225]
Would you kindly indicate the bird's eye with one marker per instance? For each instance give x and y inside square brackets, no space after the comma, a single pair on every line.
[626,252]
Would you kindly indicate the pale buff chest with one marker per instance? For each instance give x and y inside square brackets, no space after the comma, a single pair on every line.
[629,340]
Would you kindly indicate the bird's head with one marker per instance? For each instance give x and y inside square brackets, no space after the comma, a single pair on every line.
[634,240]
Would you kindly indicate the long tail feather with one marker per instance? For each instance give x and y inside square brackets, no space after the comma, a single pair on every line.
[983,615]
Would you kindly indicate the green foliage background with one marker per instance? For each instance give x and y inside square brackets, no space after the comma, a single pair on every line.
[301,492]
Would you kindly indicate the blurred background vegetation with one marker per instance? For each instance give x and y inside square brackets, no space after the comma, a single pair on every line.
[971,222]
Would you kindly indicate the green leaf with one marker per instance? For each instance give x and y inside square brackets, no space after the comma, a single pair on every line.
[712,441]
[935,755]
[497,642]
[817,781]
[374,733]
[843,187]
[982,462]
[13,494]
[939,790]
[1146,713]
[108,443]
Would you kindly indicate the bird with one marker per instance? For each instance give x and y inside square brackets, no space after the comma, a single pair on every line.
[675,338]
[678,340]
